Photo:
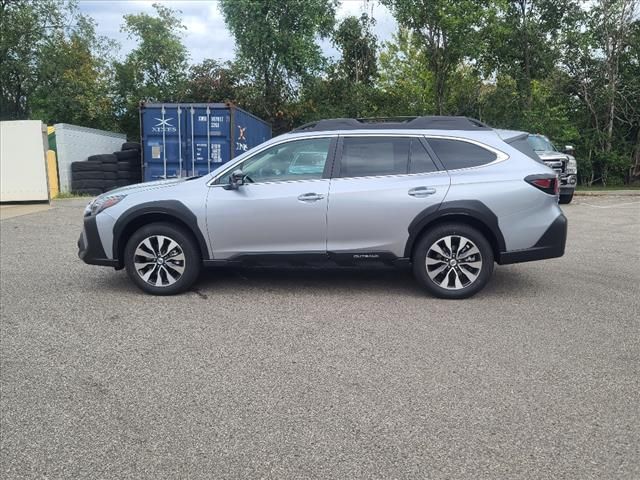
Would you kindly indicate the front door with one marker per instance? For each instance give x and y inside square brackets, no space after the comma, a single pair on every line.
[280,208]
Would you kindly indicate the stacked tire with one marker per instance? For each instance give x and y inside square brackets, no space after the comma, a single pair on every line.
[101,173]
[129,165]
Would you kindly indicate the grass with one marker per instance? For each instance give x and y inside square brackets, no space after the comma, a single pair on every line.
[69,195]
[600,188]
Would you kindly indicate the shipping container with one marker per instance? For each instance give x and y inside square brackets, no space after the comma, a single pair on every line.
[182,140]
[73,143]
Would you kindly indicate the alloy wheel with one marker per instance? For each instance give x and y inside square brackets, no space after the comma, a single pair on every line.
[453,262]
[159,260]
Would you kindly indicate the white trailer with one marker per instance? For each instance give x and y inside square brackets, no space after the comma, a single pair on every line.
[23,167]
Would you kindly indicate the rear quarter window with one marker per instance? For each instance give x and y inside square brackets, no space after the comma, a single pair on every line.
[455,154]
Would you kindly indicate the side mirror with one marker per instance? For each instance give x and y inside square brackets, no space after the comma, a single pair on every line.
[569,149]
[236,179]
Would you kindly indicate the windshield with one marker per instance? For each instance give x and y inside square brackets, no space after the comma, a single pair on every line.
[541,144]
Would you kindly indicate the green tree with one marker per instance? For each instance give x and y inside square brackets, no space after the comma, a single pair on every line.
[25,26]
[596,57]
[448,31]
[156,68]
[213,81]
[407,84]
[276,45]
[522,40]
[346,87]
[358,48]
[73,78]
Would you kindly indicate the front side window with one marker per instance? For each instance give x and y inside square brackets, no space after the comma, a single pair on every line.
[296,160]
[374,156]
[455,154]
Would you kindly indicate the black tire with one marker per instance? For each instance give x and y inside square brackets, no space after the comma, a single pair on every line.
[128,175]
[88,175]
[566,198]
[109,184]
[110,175]
[85,166]
[131,146]
[127,155]
[88,191]
[432,237]
[103,158]
[192,259]
[129,166]
[122,183]
[110,167]
[83,184]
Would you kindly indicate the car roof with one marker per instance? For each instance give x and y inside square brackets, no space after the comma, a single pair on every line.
[435,122]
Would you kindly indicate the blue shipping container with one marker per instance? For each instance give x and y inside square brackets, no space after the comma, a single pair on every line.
[186,139]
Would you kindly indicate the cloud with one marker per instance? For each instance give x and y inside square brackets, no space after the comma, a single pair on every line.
[207,35]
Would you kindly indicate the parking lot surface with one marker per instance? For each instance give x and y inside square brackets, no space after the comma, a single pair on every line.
[340,373]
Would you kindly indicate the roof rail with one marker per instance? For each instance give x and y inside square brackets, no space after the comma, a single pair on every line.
[434,122]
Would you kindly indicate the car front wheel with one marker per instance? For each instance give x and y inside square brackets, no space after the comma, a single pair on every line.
[162,259]
[566,198]
[453,261]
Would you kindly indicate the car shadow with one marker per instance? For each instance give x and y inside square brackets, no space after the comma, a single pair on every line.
[370,280]
[328,281]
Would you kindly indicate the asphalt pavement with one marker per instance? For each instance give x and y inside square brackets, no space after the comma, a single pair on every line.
[339,373]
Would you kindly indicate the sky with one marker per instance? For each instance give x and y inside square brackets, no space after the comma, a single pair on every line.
[206,35]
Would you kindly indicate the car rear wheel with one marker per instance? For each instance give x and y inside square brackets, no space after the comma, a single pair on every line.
[162,259]
[453,261]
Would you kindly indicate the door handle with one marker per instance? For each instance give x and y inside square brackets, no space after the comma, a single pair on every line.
[421,191]
[310,197]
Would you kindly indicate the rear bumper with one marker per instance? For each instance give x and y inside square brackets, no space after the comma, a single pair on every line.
[90,247]
[550,245]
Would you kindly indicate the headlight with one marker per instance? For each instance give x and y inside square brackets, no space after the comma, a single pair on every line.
[101,203]
[572,166]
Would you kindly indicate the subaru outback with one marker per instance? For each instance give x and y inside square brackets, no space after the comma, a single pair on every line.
[448,196]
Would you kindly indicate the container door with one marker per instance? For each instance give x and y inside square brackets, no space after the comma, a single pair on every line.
[248,131]
[208,139]
[162,134]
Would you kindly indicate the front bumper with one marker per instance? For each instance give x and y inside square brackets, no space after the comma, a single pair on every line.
[568,183]
[90,247]
[550,245]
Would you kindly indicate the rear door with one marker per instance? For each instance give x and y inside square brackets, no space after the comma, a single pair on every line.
[380,183]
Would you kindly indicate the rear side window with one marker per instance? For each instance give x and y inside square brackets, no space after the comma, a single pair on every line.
[369,156]
[456,154]
[420,161]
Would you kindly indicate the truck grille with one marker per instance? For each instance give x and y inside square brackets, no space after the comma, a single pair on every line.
[558,166]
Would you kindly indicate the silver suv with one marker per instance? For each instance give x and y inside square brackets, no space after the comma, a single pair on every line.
[447,195]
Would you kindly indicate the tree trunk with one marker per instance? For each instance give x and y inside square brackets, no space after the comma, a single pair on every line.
[526,82]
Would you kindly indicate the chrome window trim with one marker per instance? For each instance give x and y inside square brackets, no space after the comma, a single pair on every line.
[500,155]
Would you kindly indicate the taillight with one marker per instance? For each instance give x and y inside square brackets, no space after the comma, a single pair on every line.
[547,183]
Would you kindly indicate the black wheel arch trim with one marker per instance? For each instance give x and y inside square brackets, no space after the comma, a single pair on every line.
[474,209]
[174,209]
